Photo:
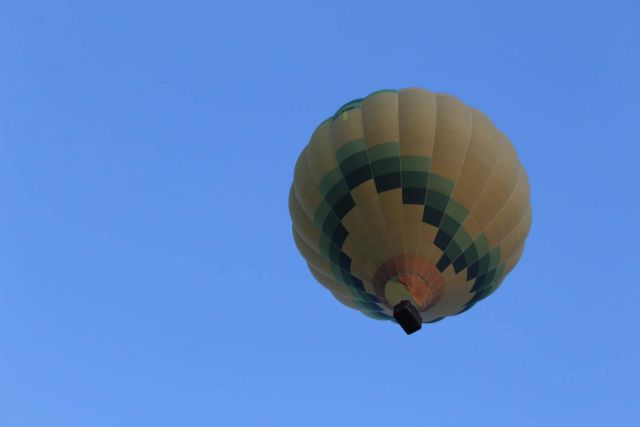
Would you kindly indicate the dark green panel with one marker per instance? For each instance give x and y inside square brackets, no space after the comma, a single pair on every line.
[447,229]
[432,216]
[354,162]
[330,180]
[413,196]
[358,176]
[330,224]
[456,211]
[440,185]
[321,214]
[339,235]
[415,163]
[469,256]
[384,151]
[473,269]
[343,206]
[337,192]
[453,251]
[385,166]
[436,200]
[351,148]
[412,179]
[443,263]
[387,182]
[442,239]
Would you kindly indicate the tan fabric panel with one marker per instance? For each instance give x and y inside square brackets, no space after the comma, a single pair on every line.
[347,302]
[478,166]
[453,133]
[510,264]
[360,253]
[346,128]
[426,247]
[301,222]
[351,304]
[515,238]
[396,239]
[416,122]
[453,130]
[368,272]
[313,258]
[380,118]
[335,287]
[414,235]
[513,260]
[472,226]
[310,236]
[456,295]
[320,156]
[321,160]
[305,189]
[354,222]
[500,185]
[479,160]
[412,214]
[430,252]
[322,269]
[380,125]
[391,205]
[366,198]
[330,284]
[365,262]
[417,113]
[395,225]
[511,213]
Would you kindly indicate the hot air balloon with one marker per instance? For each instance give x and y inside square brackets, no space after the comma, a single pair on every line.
[409,206]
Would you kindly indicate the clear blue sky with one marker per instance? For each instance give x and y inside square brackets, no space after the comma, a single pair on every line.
[148,276]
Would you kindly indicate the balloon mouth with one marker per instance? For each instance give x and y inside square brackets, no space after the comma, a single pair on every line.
[410,287]
[409,278]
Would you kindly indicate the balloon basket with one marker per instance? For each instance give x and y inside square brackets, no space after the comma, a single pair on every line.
[407,316]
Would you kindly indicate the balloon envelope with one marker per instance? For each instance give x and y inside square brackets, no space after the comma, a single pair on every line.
[409,196]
